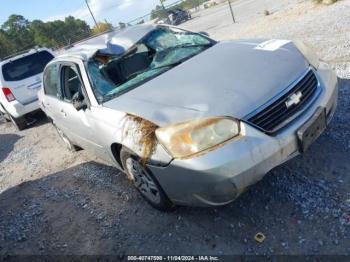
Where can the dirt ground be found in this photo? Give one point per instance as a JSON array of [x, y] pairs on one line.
[[53, 201]]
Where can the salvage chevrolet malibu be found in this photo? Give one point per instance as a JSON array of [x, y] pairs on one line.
[[189, 120]]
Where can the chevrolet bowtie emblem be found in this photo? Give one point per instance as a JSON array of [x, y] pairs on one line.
[[294, 99]]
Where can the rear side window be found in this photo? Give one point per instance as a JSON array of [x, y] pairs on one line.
[[26, 66], [51, 81]]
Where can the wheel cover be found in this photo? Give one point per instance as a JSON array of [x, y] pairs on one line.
[[143, 180]]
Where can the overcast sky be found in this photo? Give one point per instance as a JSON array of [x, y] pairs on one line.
[[113, 11]]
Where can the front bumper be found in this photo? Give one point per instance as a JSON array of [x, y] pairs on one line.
[[220, 176]]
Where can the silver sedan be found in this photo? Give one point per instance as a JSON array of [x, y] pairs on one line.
[[189, 120]]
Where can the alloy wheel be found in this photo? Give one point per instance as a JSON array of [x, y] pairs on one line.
[[143, 180]]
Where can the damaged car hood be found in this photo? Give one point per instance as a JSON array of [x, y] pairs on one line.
[[229, 79]]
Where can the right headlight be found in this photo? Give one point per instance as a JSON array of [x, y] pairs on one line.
[[308, 53], [188, 138]]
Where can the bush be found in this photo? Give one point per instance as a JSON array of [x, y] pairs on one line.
[[267, 12]]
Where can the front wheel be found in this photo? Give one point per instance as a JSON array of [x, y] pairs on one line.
[[144, 181]]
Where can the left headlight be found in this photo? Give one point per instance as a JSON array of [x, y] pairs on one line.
[[188, 138], [308, 53]]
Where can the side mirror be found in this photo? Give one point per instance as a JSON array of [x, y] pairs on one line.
[[204, 33], [79, 101]]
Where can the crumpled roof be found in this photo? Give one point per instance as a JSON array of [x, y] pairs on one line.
[[113, 43]]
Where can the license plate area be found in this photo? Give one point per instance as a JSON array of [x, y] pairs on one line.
[[312, 129]]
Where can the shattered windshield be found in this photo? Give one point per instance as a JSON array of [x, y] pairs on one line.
[[159, 51]]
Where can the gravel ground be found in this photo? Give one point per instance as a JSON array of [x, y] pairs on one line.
[[53, 201]]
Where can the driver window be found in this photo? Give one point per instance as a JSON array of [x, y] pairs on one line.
[[71, 83]]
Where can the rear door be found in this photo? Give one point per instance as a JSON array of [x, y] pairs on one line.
[[23, 75]]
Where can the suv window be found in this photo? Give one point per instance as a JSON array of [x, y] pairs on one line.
[[51, 81], [27, 66], [71, 83]]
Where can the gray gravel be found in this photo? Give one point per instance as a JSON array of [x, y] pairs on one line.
[[56, 202]]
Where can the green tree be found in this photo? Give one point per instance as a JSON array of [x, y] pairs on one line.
[[75, 29], [42, 35], [17, 29], [18, 34], [6, 46]]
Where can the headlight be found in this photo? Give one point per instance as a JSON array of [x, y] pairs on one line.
[[188, 138], [310, 55]]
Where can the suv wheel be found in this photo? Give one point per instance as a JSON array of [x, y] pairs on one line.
[[20, 123], [144, 181]]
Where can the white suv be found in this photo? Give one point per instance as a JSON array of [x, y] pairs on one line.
[[20, 80]]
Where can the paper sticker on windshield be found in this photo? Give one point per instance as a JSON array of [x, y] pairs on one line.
[[271, 45]]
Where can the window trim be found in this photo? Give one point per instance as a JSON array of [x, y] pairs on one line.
[[76, 69], [59, 93]]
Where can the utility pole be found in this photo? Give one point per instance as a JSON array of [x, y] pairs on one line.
[[87, 4], [233, 17]]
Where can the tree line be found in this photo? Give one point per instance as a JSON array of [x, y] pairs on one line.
[[18, 33]]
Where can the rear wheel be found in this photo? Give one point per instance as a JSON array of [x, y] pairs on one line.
[[144, 181], [20, 123]]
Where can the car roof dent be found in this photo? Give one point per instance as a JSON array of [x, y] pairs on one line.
[[116, 43]]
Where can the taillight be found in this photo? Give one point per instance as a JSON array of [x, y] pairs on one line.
[[8, 94]]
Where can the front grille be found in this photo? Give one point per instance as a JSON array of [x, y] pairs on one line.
[[272, 118]]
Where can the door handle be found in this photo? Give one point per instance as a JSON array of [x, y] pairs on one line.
[[63, 113]]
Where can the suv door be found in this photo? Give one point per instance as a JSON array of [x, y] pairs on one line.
[[75, 123]]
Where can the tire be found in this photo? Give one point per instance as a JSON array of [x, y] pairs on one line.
[[20, 123], [70, 146], [144, 181], [5, 117]]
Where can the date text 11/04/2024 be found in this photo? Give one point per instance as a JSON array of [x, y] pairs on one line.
[[173, 258]]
